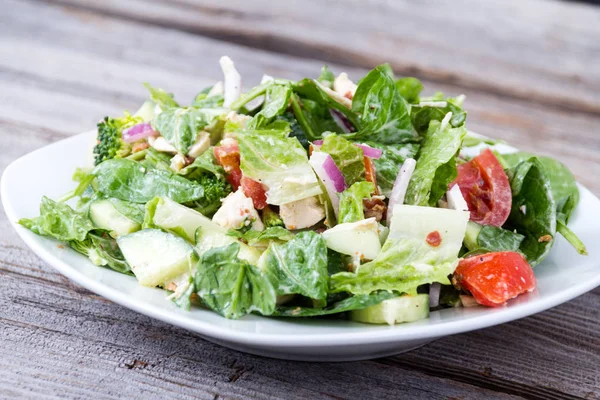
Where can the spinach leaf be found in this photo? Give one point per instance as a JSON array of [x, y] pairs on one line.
[[102, 250], [384, 114], [299, 266], [491, 238], [357, 302], [533, 212], [296, 130], [351, 201], [422, 115], [327, 77], [59, 221], [230, 286], [160, 97], [409, 88], [392, 158], [180, 126], [436, 163], [184, 300], [127, 180], [131, 210], [348, 157]]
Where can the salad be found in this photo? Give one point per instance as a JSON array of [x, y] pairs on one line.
[[316, 197]]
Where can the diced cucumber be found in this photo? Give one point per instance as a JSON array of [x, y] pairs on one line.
[[394, 311], [471, 235], [359, 238], [156, 257], [105, 216], [198, 229]]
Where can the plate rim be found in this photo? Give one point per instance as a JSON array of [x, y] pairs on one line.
[[279, 340]]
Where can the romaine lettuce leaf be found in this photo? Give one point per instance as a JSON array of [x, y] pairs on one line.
[[351, 201], [279, 162], [422, 115], [392, 158], [348, 304], [298, 266], [180, 126], [276, 103], [436, 163], [384, 115], [163, 99], [406, 260], [348, 157], [232, 287]]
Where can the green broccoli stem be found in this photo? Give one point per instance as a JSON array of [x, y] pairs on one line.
[[137, 156], [571, 237]]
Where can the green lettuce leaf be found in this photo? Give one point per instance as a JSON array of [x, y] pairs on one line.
[[299, 266], [281, 163], [348, 157], [406, 260], [253, 237], [327, 77], [276, 102], [422, 115], [409, 88], [351, 201], [533, 212], [388, 165], [59, 221], [232, 287], [348, 304], [384, 115], [180, 126], [436, 164], [160, 97]]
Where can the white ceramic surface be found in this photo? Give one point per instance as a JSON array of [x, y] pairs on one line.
[[561, 277]]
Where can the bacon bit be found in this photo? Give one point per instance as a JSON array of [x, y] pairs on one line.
[[434, 239], [139, 146], [370, 173], [256, 191], [545, 238], [348, 95], [374, 207], [310, 149], [60, 246], [228, 156]]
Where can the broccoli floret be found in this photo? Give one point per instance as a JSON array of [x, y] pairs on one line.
[[215, 189], [110, 144], [271, 218]]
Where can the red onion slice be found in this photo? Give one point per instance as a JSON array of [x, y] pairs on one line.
[[138, 132], [341, 120], [400, 186], [369, 151], [330, 175]]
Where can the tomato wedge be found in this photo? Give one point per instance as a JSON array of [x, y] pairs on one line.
[[494, 278], [228, 156], [485, 187], [255, 191]]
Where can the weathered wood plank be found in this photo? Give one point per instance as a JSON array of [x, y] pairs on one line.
[[533, 50], [61, 340]]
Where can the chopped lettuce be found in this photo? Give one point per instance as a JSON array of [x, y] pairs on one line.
[[351, 201], [392, 158], [280, 163], [348, 157]]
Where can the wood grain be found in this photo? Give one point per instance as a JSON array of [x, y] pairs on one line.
[[63, 68]]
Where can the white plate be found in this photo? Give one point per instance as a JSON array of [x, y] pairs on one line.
[[561, 277]]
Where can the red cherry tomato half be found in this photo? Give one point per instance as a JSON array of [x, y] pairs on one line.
[[228, 156], [485, 187], [255, 191], [494, 278]]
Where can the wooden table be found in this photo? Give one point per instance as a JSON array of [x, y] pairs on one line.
[[531, 73]]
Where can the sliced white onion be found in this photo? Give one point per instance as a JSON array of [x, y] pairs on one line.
[[400, 186], [434, 294], [369, 151], [137, 132], [341, 120], [330, 175], [233, 81]]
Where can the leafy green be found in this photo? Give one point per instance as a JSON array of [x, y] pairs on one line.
[[351, 201], [422, 115], [299, 266], [296, 130], [279, 162], [103, 250], [436, 164], [533, 212], [252, 237], [327, 77], [493, 238], [409, 88], [131, 210], [184, 300], [276, 102], [215, 189], [59, 221], [384, 114], [160, 97], [203, 100], [110, 143], [180, 126], [392, 158], [335, 262], [255, 92], [348, 157], [230, 286], [270, 218], [127, 180], [348, 304]]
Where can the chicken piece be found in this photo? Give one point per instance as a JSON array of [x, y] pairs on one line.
[[302, 213], [201, 145], [238, 211], [160, 144], [344, 86]]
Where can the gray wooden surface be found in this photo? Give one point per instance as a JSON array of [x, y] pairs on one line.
[[531, 73]]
